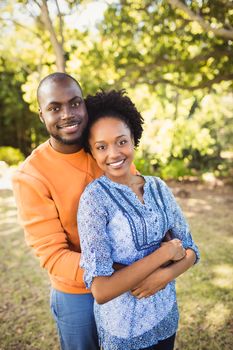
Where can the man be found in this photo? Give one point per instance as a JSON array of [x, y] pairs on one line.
[[47, 188]]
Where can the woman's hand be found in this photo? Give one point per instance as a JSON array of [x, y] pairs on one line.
[[176, 249], [162, 276]]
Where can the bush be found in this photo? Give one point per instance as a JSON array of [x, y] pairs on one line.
[[144, 164], [10, 155], [175, 169]]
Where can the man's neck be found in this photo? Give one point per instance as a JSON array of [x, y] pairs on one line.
[[63, 148]]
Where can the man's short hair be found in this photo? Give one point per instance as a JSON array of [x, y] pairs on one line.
[[55, 77]]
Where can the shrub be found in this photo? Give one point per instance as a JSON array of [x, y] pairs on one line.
[[11, 155]]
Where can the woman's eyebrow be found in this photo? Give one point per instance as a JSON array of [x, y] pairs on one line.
[[118, 137]]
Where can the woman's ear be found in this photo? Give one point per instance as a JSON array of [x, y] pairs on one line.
[[132, 140]]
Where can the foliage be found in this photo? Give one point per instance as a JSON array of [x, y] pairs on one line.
[[194, 142], [10, 155], [178, 72], [19, 127], [176, 169], [151, 43]]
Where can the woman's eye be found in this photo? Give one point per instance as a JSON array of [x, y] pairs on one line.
[[122, 142], [100, 148]]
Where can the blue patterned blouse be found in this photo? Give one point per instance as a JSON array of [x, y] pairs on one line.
[[114, 226]]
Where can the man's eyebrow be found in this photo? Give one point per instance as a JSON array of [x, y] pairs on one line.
[[75, 98], [59, 103], [53, 103]]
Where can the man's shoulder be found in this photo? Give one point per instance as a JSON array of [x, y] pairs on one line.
[[29, 170], [36, 156]]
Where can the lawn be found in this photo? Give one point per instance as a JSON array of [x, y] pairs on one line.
[[205, 292]]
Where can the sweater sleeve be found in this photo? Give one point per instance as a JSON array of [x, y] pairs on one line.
[[43, 228]]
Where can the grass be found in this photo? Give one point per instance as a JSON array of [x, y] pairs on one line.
[[205, 292]]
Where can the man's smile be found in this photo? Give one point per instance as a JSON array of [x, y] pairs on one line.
[[70, 127]]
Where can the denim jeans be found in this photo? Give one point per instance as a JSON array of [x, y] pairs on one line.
[[75, 321]]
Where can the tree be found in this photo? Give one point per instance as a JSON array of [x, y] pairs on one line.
[[223, 30], [38, 14], [155, 43], [19, 127]]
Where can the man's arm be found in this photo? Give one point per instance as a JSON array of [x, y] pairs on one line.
[[163, 275], [43, 229]]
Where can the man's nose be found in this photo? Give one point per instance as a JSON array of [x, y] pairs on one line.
[[66, 112]]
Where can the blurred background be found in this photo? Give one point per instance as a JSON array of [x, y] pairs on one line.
[[175, 59]]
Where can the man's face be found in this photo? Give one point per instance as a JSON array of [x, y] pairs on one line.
[[64, 113]]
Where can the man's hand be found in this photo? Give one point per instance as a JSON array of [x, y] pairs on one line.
[[152, 284]]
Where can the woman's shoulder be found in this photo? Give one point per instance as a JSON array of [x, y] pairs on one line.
[[92, 188], [93, 191], [155, 181]]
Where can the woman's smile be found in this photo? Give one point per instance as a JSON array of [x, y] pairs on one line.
[[116, 164]]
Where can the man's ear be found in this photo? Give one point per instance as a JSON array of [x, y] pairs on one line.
[[91, 152], [41, 116]]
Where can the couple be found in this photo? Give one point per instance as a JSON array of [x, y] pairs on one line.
[[122, 220]]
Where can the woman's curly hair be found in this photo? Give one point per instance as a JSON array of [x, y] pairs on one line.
[[115, 104]]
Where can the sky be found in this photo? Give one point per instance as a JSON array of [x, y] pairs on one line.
[[88, 17]]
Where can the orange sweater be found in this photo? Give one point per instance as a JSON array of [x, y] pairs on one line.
[[47, 188]]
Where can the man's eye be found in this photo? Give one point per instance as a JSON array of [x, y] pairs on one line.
[[75, 104], [54, 109]]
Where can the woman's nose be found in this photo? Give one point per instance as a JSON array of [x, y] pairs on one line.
[[113, 151]]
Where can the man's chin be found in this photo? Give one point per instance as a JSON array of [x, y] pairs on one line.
[[68, 142]]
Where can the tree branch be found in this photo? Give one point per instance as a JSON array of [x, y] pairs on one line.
[[58, 48], [143, 79], [60, 23], [201, 85], [162, 61], [224, 33], [18, 24]]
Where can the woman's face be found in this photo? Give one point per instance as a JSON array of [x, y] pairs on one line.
[[112, 147]]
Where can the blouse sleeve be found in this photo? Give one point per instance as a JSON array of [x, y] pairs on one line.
[[179, 226], [96, 257]]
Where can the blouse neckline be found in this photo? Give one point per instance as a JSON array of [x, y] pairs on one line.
[[129, 190]]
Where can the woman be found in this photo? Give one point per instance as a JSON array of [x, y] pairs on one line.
[[123, 218]]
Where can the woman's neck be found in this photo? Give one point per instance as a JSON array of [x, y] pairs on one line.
[[127, 179], [134, 182]]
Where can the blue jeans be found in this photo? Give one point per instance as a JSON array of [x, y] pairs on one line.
[[75, 321]]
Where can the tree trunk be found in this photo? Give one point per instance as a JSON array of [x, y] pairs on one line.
[[57, 46]]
